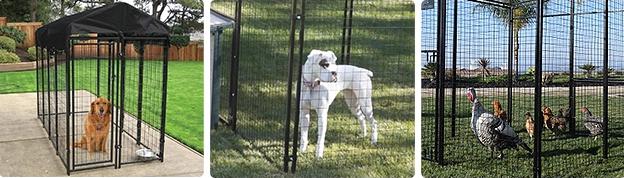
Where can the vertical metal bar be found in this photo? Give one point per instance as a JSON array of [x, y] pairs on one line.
[[605, 84], [163, 117], [441, 40], [344, 31], [298, 94], [73, 100], [350, 28], [68, 105], [116, 96], [98, 69], [234, 67], [537, 159], [140, 92], [122, 86], [216, 84], [510, 66], [571, 83], [291, 62], [49, 105], [111, 97], [454, 76], [37, 78], [56, 113]]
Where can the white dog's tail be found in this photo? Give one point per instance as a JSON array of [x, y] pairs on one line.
[[369, 73]]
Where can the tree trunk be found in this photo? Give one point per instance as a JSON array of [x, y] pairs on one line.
[[516, 47], [33, 10]]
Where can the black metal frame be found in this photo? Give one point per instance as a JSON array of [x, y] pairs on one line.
[[115, 87], [440, 55]]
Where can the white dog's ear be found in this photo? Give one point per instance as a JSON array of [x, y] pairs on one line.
[[332, 58], [314, 54]]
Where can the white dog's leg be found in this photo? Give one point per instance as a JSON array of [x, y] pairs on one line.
[[322, 128], [368, 112], [304, 125], [354, 107]]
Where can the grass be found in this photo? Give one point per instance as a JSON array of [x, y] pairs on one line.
[[257, 149], [562, 155], [184, 94]]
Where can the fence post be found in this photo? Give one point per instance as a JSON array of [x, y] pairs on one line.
[[537, 159], [605, 84], [454, 76], [441, 39], [234, 66], [571, 83], [291, 54], [510, 67]]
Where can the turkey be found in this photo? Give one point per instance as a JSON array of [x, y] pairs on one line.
[[492, 132], [593, 123]]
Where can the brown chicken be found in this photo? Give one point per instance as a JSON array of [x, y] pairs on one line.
[[529, 124], [556, 124], [498, 111]]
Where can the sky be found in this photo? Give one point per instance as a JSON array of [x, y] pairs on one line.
[[480, 35]]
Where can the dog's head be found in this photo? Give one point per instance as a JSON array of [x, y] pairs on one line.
[[320, 65], [101, 107]]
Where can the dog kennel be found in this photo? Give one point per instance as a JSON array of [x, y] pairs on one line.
[[116, 52]]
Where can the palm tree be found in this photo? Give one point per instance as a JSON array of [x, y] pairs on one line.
[[484, 63], [524, 14], [588, 68], [429, 70]]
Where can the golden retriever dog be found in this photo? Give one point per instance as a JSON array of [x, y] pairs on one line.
[[96, 126]]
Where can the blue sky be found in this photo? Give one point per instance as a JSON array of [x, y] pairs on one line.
[[482, 35]]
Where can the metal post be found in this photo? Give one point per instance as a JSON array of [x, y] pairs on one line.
[[37, 78], [537, 159], [56, 111], [344, 31], [571, 83], [140, 92], [49, 105], [97, 87], [441, 39], [291, 56], [350, 27], [510, 66], [298, 94], [68, 106], [72, 101], [163, 117], [234, 66], [605, 84], [216, 85], [454, 77]]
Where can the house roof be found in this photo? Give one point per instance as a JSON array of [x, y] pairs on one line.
[[109, 20]]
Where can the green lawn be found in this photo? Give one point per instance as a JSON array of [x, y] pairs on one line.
[[184, 94], [383, 41], [563, 155]]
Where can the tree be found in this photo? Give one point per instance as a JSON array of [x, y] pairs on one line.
[[429, 70], [527, 14], [589, 69], [183, 15], [483, 64]]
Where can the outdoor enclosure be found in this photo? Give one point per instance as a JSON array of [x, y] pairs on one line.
[[261, 79], [70, 78], [561, 54]]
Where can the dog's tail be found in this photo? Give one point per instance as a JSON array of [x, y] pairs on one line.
[[368, 72]]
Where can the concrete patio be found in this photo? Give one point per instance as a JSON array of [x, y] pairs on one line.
[[26, 151]]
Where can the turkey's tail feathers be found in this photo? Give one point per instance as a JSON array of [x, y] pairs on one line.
[[526, 147]]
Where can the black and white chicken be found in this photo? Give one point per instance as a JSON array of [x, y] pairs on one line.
[[493, 133], [593, 123]]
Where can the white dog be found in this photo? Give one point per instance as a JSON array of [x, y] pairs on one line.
[[322, 81]]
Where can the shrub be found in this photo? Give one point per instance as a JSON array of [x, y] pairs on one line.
[[8, 57], [180, 40], [7, 43], [13, 33], [32, 53]]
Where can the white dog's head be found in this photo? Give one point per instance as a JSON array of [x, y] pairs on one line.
[[320, 65]]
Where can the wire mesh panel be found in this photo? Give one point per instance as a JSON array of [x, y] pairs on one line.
[[377, 37]]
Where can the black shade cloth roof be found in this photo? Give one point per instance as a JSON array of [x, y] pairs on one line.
[[109, 20]]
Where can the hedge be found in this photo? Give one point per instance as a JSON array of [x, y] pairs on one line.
[[8, 57], [7, 43]]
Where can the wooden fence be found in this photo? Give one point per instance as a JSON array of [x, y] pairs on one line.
[[193, 52], [29, 28]]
